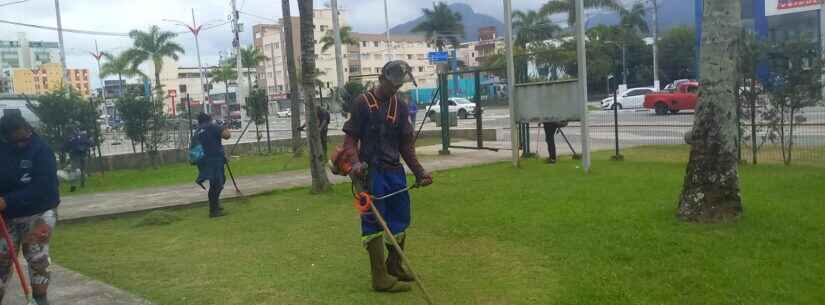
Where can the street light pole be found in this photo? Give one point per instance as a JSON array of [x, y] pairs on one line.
[[339, 59], [60, 40], [195, 29], [511, 75], [656, 83], [387, 23], [98, 55], [582, 73], [236, 43]]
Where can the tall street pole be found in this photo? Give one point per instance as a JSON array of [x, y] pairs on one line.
[[98, 55], [195, 29], [387, 24], [656, 83], [582, 63], [339, 57], [236, 29], [60, 40], [511, 78]]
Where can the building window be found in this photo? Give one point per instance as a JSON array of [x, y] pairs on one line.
[[377, 70], [421, 69], [323, 28], [375, 44], [363, 43], [280, 87], [409, 56]]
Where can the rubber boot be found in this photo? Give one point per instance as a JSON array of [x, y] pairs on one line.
[[395, 266], [381, 280], [215, 209], [41, 299]]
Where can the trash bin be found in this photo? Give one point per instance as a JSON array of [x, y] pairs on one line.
[[453, 119]]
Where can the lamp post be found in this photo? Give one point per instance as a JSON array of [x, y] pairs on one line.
[[195, 29]]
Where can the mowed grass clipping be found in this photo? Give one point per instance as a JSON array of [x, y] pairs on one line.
[[485, 235]]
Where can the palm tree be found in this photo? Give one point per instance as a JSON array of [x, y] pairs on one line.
[[251, 57], [224, 73], [633, 20], [120, 66], [153, 45], [293, 79], [346, 38], [710, 192], [569, 7], [317, 158], [533, 26], [442, 24]]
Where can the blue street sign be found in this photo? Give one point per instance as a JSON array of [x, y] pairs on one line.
[[437, 57]]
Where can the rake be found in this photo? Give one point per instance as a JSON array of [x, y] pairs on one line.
[[13, 255]]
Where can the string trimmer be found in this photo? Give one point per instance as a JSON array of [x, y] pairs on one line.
[[364, 204], [13, 255]]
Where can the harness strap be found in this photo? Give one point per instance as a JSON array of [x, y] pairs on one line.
[[392, 112]]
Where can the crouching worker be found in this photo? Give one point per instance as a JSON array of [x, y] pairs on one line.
[[211, 166], [378, 133], [28, 201]]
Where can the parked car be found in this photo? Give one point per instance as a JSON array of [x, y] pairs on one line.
[[463, 107], [630, 99], [285, 113], [17, 106], [683, 98], [675, 84]]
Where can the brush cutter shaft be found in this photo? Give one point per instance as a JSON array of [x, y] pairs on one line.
[[397, 247], [13, 255], [393, 193]]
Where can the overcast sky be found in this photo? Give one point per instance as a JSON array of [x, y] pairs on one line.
[[120, 16]]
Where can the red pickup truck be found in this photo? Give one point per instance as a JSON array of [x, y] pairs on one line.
[[682, 98]]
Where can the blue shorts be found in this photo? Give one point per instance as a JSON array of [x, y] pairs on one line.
[[395, 209]]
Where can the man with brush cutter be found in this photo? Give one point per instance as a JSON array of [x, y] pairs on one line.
[[378, 134], [28, 201]]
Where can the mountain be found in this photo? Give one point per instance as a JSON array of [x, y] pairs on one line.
[[672, 13], [472, 22]]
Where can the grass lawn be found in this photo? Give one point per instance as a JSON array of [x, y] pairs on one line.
[[173, 174], [485, 235]]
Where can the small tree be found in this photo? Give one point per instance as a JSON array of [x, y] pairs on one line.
[[61, 112], [144, 123], [256, 108], [796, 83], [752, 52]]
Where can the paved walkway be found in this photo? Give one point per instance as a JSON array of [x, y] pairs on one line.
[[118, 203]]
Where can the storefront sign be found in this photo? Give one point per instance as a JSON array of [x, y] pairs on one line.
[[780, 7]]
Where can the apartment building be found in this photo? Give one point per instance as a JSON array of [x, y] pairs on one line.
[[372, 52], [272, 72], [22, 53], [47, 78]]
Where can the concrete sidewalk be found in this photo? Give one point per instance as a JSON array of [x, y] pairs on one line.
[[118, 203]]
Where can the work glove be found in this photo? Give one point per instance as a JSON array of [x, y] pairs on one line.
[[423, 180]]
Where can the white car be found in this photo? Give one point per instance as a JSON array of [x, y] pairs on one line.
[[631, 99], [463, 107], [285, 113]]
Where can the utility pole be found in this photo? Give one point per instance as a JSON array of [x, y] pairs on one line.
[[98, 55], [582, 63], [195, 29], [339, 57], [511, 75], [656, 83], [236, 43], [60, 40], [387, 23]]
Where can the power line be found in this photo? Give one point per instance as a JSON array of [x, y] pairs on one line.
[[98, 33], [256, 16], [11, 3]]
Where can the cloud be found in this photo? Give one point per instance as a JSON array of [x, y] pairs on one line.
[[122, 16]]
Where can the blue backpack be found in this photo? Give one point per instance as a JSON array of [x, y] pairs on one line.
[[196, 152]]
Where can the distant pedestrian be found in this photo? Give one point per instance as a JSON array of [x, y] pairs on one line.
[[211, 167], [550, 129], [77, 146], [28, 200], [323, 126], [413, 109]]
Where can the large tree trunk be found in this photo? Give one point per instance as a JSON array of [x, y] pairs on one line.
[[711, 188], [317, 159], [295, 104]]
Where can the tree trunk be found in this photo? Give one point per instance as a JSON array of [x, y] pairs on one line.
[[711, 187], [295, 105], [320, 181]]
